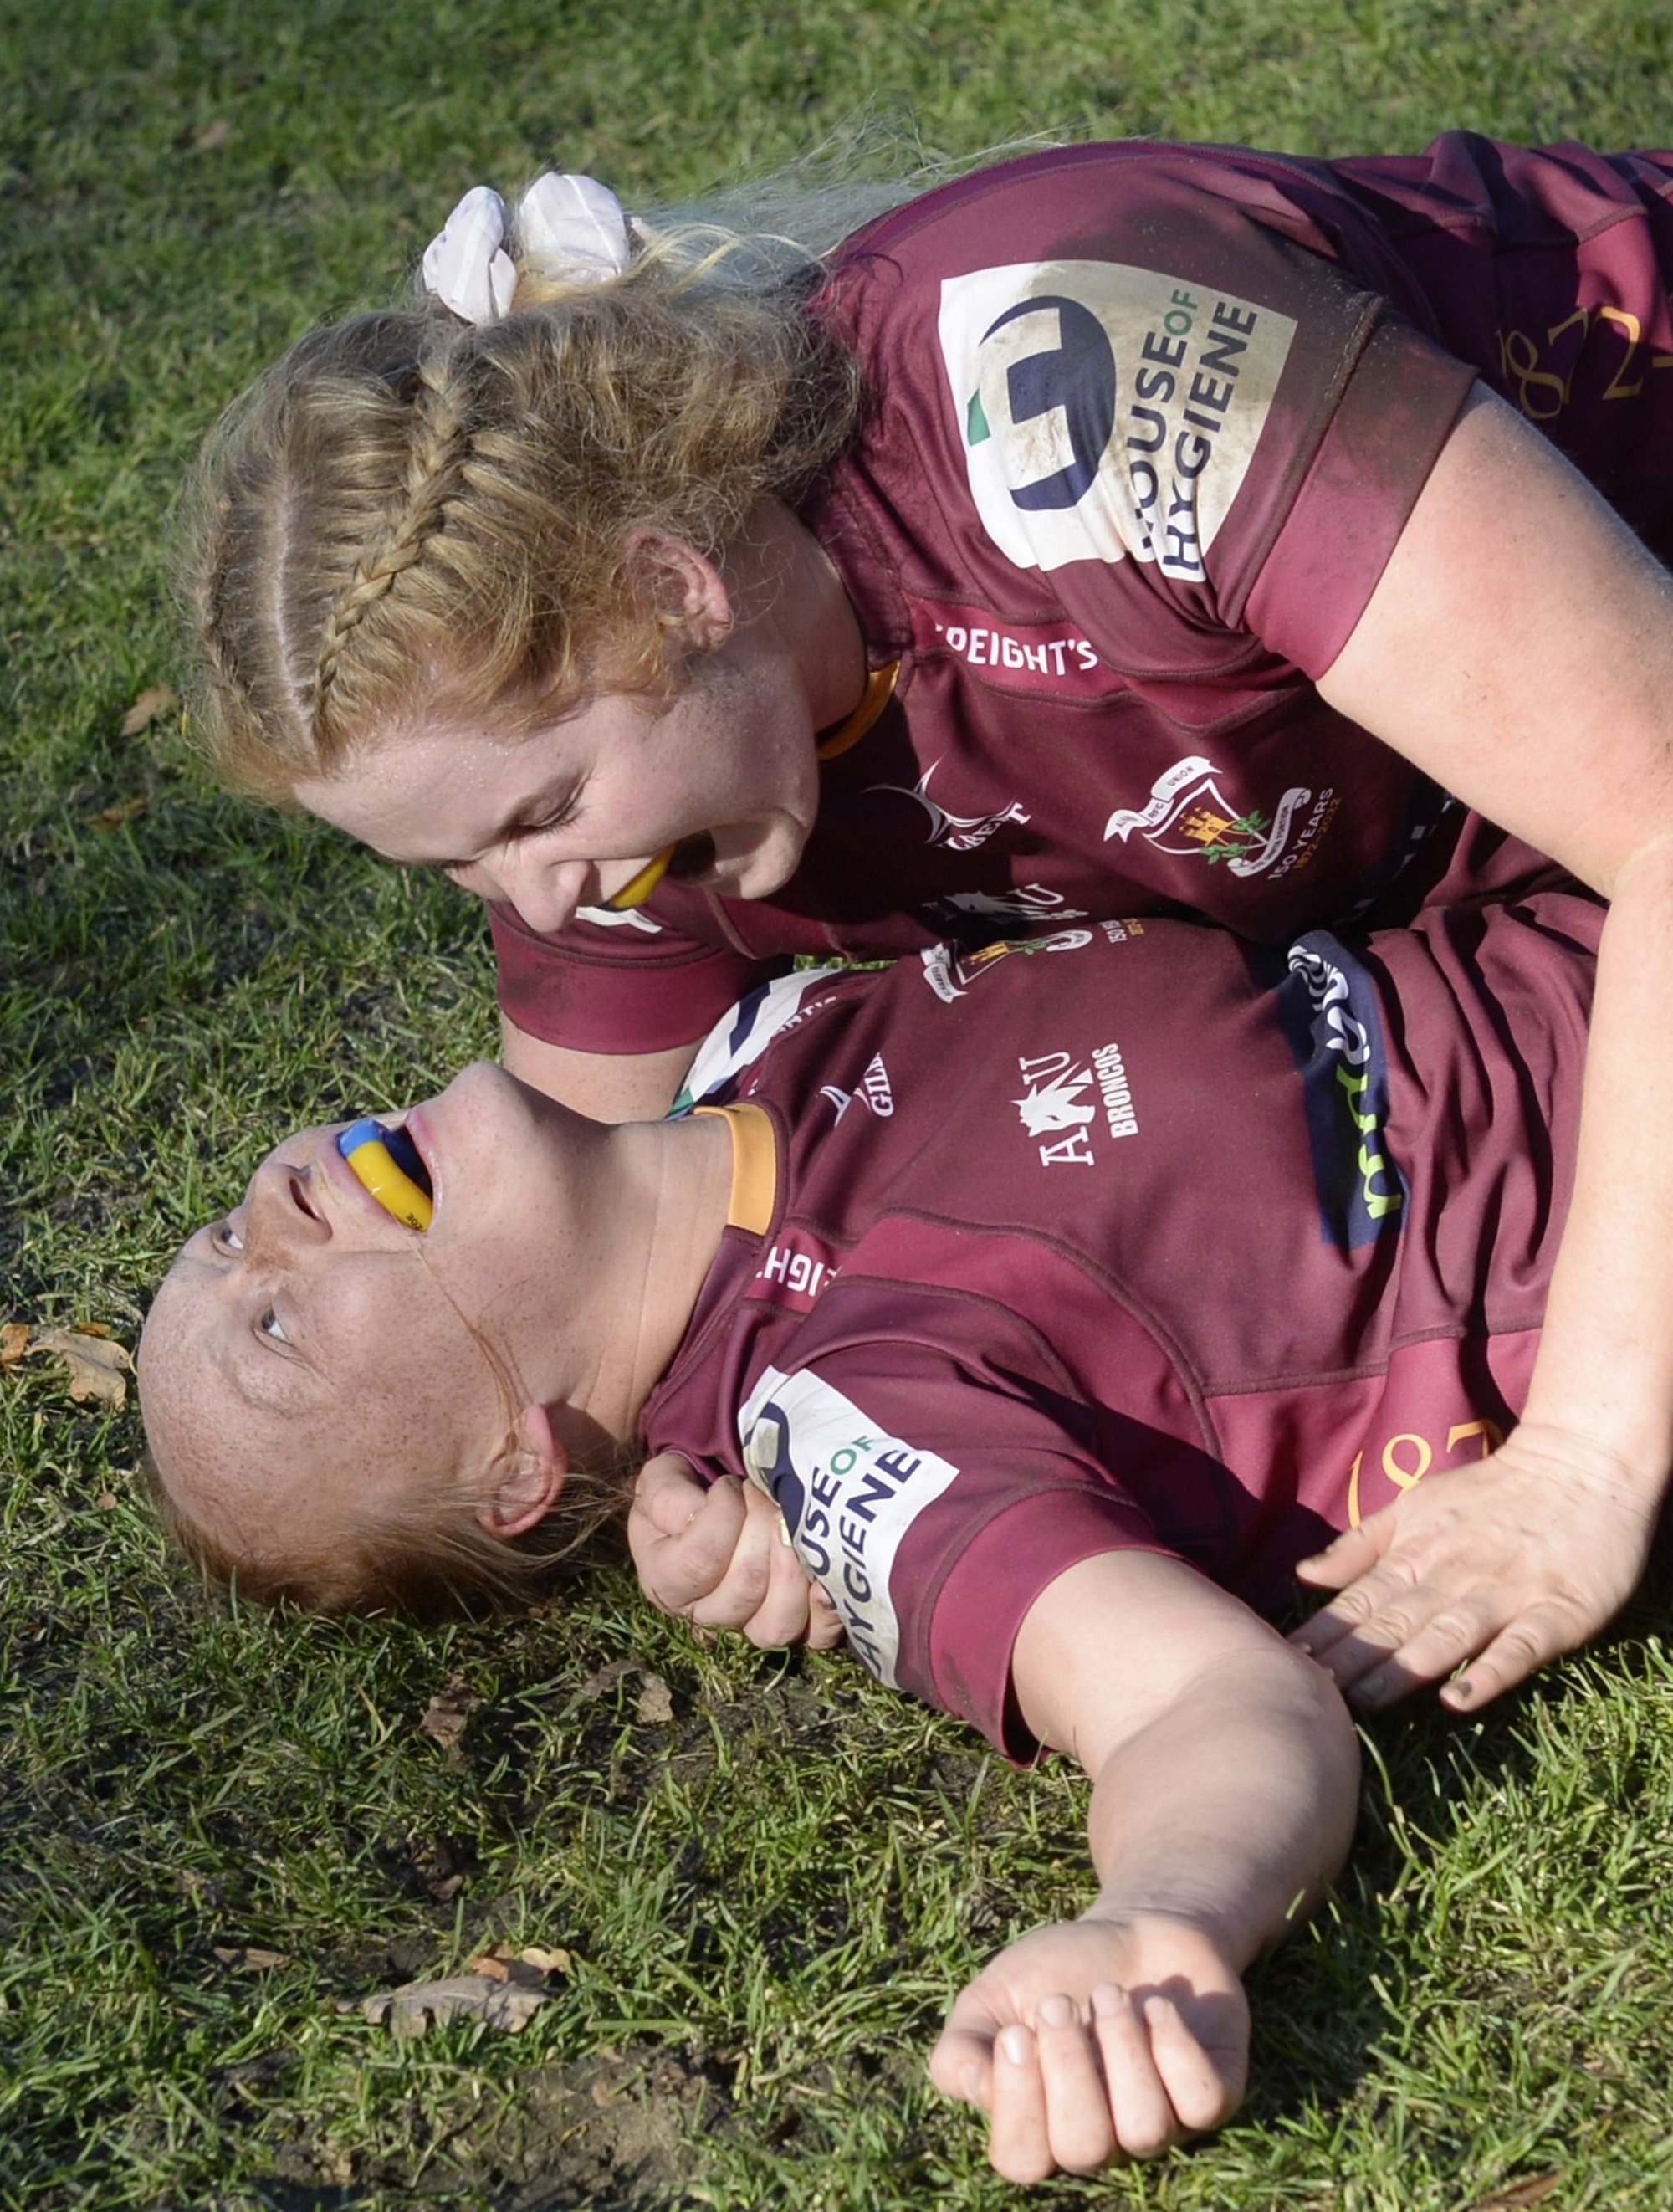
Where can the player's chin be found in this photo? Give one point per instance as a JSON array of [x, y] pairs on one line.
[[479, 1133], [758, 859]]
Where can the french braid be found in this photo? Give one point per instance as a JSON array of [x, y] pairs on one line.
[[440, 439], [409, 517]]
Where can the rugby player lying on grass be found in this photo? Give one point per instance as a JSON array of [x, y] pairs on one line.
[[1063, 1300]]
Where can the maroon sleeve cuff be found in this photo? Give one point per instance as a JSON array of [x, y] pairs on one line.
[[999, 1574], [1398, 410], [621, 1000]]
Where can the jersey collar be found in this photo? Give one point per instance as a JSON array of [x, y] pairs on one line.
[[755, 1166], [879, 690]]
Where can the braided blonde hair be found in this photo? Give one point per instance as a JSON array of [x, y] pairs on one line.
[[409, 515]]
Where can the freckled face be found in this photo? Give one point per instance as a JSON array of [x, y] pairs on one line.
[[726, 770], [310, 1358]]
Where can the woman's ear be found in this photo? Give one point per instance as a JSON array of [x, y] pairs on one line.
[[527, 1479], [688, 590]]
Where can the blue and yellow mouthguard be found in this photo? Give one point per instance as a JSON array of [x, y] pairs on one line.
[[387, 1162], [638, 888]]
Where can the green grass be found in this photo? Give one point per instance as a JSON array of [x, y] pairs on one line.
[[768, 1899]]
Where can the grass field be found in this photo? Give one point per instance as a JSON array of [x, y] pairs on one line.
[[218, 1835]]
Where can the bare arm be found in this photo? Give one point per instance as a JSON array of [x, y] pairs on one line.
[[1226, 1777], [1520, 648], [609, 1086]]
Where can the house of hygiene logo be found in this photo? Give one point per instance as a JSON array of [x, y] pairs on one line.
[[1108, 412], [849, 1492]]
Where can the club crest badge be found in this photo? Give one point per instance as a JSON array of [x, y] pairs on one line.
[[1188, 814]]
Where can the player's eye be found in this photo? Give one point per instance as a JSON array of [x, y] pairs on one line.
[[560, 819], [270, 1325]]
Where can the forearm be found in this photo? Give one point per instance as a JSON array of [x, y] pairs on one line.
[[1226, 1775], [1233, 1808], [1604, 1378]]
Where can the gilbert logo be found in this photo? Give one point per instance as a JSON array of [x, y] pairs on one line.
[[874, 1090]]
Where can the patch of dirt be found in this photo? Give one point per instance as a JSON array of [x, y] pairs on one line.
[[609, 2132], [612, 2133]]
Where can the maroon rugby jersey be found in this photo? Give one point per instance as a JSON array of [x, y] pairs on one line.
[[1133, 1236], [1145, 423]]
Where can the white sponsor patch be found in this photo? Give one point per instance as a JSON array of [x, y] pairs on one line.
[[1106, 410], [849, 1493]]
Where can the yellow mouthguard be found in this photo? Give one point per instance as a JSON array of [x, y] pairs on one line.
[[638, 888], [393, 1188]]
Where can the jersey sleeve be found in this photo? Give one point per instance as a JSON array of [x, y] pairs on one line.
[[631, 985], [935, 1511], [1156, 385]]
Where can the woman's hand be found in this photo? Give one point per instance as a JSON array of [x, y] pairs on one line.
[[1499, 1567], [1095, 2040], [720, 1557]]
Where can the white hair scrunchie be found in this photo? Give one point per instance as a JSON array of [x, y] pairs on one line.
[[571, 227], [466, 264]]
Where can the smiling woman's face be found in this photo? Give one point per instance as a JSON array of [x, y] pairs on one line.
[[725, 773], [311, 1362]]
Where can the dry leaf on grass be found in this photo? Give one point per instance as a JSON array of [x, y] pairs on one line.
[[250, 1959], [98, 1366], [112, 818], [550, 1960], [213, 137], [448, 1711], [1518, 2194], [530, 1968], [655, 1702], [150, 707], [417, 2007]]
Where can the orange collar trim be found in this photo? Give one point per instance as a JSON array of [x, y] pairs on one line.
[[879, 690], [755, 1166]]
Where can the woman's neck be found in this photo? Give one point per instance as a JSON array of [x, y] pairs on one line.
[[781, 568], [654, 1210]]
